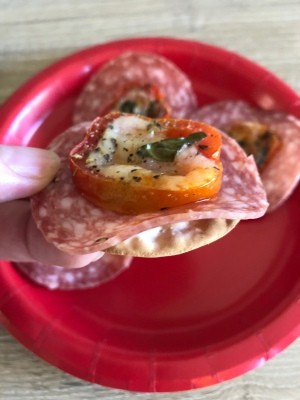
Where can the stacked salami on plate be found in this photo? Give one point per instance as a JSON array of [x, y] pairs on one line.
[[145, 94]]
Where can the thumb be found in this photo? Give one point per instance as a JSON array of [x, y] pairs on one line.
[[25, 170]]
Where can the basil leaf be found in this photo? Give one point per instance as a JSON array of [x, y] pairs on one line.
[[195, 137], [166, 149], [127, 106]]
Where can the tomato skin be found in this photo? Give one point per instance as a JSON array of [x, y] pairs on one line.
[[176, 128], [147, 194], [128, 198]]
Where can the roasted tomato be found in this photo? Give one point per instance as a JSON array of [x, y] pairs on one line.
[[134, 98], [133, 164], [256, 139]]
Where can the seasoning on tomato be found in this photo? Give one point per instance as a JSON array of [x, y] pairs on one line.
[[133, 164], [256, 139], [141, 99]]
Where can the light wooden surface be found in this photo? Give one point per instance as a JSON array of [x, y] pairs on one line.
[[34, 33]]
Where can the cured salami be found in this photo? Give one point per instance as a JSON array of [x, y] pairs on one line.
[[76, 226], [135, 76], [56, 277], [281, 173]]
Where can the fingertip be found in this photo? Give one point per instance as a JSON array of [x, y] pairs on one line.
[[25, 170]]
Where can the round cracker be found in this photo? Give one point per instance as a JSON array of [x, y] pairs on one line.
[[173, 239]]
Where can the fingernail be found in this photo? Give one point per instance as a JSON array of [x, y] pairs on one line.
[[29, 162], [98, 255], [87, 259]]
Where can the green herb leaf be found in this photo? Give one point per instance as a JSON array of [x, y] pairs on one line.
[[128, 106], [166, 149]]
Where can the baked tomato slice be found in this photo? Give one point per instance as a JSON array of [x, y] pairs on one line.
[[146, 100], [133, 164]]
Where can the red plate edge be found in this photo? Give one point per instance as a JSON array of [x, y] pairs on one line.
[[231, 361], [280, 332]]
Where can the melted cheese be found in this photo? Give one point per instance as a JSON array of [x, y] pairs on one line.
[[116, 155]]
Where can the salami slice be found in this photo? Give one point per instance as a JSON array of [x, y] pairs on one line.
[[282, 172], [76, 226], [108, 84], [94, 274]]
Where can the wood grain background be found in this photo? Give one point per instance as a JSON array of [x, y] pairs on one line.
[[35, 33]]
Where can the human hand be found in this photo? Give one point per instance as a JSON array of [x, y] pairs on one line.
[[24, 171]]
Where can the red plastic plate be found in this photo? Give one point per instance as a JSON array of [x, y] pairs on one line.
[[172, 323]]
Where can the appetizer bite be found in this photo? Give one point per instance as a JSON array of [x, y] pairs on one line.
[[132, 164], [138, 83], [76, 224], [273, 138]]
